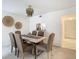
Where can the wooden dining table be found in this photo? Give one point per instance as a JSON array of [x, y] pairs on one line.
[[33, 39]]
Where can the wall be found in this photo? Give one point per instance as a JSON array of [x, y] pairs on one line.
[[5, 30], [52, 20]]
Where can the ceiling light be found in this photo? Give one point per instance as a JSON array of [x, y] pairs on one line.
[[29, 11]]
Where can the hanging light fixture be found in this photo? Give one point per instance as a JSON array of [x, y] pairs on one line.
[[29, 11]]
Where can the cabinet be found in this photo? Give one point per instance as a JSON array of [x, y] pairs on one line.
[[68, 31]]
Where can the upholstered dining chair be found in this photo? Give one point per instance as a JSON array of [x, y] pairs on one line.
[[13, 42], [40, 33], [34, 33], [47, 47], [21, 47], [19, 32]]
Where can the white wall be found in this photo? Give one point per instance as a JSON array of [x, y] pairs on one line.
[[6, 30], [52, 20]]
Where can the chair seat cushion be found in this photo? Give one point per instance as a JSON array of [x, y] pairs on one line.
[[26, 46], [42, 46]]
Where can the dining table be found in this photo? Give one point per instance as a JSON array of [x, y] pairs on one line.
[[33, 39]]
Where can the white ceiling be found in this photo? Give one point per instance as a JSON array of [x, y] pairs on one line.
[[39, 6]]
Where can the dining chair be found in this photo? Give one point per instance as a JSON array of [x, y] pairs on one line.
[[13, 42], [34, 33], [21, 47], [47, 47], [19, 32], [40, 33]]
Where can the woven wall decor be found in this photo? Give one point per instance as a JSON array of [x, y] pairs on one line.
[[18, 25], [8, 21]]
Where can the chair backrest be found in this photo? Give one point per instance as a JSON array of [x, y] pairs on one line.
[[34, 33], [12, 38], [40, 33], [19, 32], [19, 43], [50, 42]]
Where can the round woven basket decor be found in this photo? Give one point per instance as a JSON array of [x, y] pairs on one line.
[[8, 21], [18, 25]]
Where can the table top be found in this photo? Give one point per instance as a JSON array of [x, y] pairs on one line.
[[32, 38]]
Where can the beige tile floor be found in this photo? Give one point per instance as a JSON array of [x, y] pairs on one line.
[[58, 53]]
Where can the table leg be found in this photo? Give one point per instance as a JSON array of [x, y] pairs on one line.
[[35, 50]]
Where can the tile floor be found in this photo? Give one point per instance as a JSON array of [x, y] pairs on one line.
[[58, 53]]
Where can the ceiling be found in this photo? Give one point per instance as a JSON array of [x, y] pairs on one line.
[[39, 6]]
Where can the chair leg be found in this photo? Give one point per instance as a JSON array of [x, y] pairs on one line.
[[15, 51], [11, 48], [22, 56], [51, 54], [47, 55]]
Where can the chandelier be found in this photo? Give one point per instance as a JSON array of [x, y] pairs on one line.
[[29, 11]]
